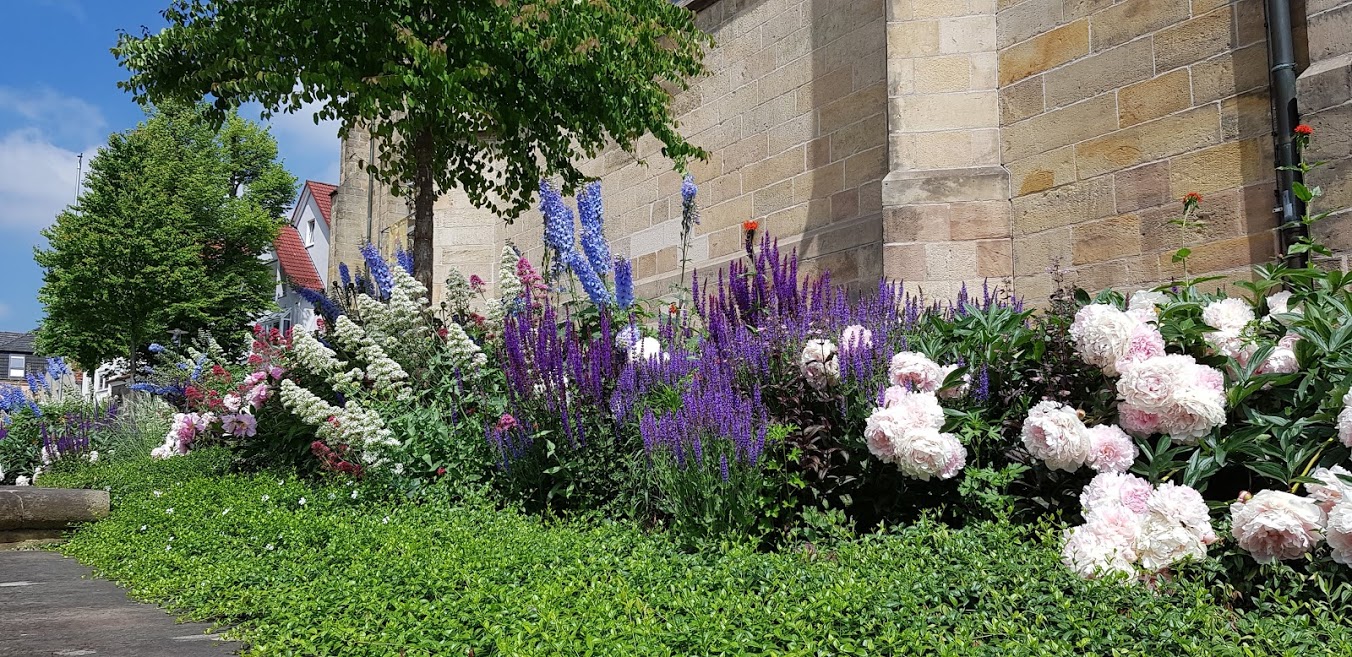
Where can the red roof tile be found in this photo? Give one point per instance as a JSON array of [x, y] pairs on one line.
[[295, 260], [323, 193]]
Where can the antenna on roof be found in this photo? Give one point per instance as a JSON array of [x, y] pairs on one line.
[[79, 175]]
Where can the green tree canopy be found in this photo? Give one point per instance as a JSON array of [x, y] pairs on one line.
[[485, 95], [166, 235]]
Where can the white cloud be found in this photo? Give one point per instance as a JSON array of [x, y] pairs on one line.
[[37, 179], [65, 118], [308, 150]]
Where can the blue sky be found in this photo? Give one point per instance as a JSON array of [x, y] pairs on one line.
[[59, 98]]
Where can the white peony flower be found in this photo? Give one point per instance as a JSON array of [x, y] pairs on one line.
[[1053, 433], [1094, 550], [924, 452], [1102, 334], [1147, 301], [957, 391], [23, 481], [1163, 542], [819, 364], [1345, 420], [1334, 490], [1338, 531], [645, 350], [1112, 490], [1280, 310], [1228, 314], [1276, 525], [1183, 504], [1282, 360]]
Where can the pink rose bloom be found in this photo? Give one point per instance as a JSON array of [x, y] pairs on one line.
[[1094, 550], [1145, 343], [240, 425], [1110, 449], [1334, 490], [1276, 525], [924, 452], [253, 379], [276, 373], [1184, 505], [915, 370], [232, 402], [916, 409], [1137, 422], [1339, 532], [1053, 433], [855, 336], [1109, 490]]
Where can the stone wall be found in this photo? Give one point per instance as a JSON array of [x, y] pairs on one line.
[[1325, 93], [1110, 112]]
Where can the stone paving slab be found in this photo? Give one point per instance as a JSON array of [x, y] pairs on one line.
[[52, 605]]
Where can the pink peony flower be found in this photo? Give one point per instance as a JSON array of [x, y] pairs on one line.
[[1345, 420], [1228, 314], [1334, 490], [1137, 422], [1282, 360], [1339, 532], [915, 370], [1149, 385], [917, 409], [1275, 525], [1110, 449], [1280, 310], [276, 373], [257, 395], [253, 380], [1053, 433], [1102, 334], [232, 402], [819, 364], [1145, 343], [955, 391], [882, 426], [1110, 490], [240, 425], [855, 336]]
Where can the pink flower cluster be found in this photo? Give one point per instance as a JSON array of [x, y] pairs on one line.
[[915, 371], [1171, 394], [819, 364], [906, 432], [1232, 338], [1128, 524], [1054, 434], [252, 393], [1345, 420], [1111, 339]]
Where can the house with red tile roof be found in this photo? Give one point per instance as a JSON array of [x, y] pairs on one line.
[[300, 257]]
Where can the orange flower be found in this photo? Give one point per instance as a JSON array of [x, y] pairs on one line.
[[750, 225], [1193, 198], [1303, 130], [673, 309]]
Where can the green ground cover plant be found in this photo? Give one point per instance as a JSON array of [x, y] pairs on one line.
[[296, 566]]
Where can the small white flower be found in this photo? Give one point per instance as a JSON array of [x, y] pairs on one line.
[[143, 527], [227, 510], [94, 456], [169, 511], [266, 498], [268, 547], [332, 496], [157, 493], [166, 548], [386, 521], [354, 493], [23, 481], [302, 501]]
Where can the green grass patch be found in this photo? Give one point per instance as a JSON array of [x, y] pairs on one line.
[[370, 576]]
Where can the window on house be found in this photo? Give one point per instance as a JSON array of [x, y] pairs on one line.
[[16, 366], [310, 232], [281, 288]]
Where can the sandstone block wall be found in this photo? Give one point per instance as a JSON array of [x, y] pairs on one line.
[[1110, 112], [1325, 91]]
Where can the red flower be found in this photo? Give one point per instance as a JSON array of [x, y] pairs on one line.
[[1303, 130], [1193, 198], [673, 309], [750, 225], [442, 333], [441, 472]]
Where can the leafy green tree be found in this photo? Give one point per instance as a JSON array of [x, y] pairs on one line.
[[166, 235], [485, 95]]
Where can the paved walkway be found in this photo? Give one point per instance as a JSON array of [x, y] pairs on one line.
[[52, 605]]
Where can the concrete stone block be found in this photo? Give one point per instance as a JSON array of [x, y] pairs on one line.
[[913, 39], [1035, 254], [1229, 74], [1060, 127], [1230, 165], [901, 188], [865, 167], [948, 73], [1044, 52], [917, 223], [821, 182], [1106, 239], [980, 220], [1042, 171], [972, 109], [1025, 20], [1021, 100], [1247, 115], [1171, 135], [1154, 98], [967, 34], [995, 258], [1103, 71], [1193, 40], [1130, 19], [1145, 186], [1081, 201]]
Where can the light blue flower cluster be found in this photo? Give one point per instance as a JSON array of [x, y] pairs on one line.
[[558, 221], [591, 283]]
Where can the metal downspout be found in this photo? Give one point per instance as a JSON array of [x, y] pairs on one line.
[[1285, 117]]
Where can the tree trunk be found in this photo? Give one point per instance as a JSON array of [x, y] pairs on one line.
[[425, 196]]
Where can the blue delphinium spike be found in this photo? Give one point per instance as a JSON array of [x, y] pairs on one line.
[[344, 274], [380, 270], [405, 260], [624, 283], [591, 283], [589, 214]]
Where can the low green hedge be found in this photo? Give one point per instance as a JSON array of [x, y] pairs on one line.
[[340, 575]]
